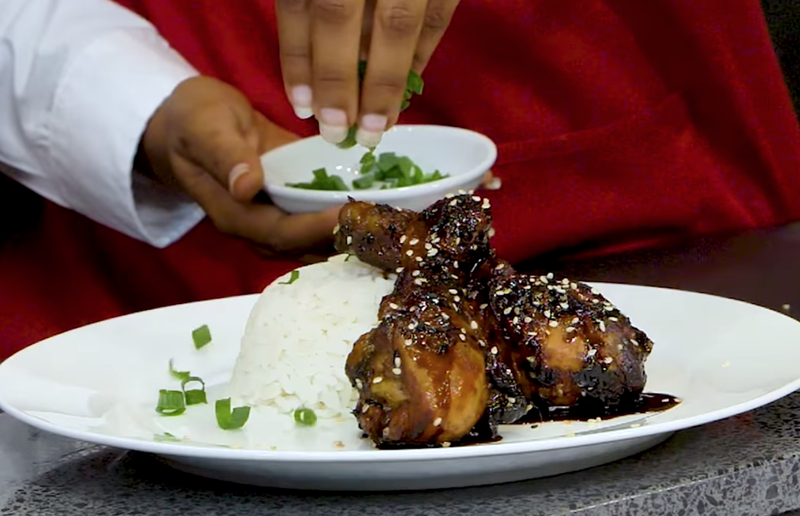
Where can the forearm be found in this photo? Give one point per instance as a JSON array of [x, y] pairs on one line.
[[79, 81]]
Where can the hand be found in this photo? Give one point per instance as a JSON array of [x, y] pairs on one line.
[[321, 42], [206, 139]]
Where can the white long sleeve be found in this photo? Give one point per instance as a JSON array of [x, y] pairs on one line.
[[79, 80]]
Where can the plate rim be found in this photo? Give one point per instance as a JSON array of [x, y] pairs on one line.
[[212, 452]]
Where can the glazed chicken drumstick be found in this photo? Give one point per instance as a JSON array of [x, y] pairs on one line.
[[466, 343]]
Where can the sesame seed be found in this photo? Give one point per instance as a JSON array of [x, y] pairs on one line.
[[359, 384], [399, 270], [458, 240], [592, 352], [418, 281], [499, 266], [377, 379], [349, 240], [595, 291], [397, 371], [408, 342], [493, 350], [453, 202], [634, 342], [570, 329], [445, 444], [507, 311], [415, 273], [364, 409], [445, 316], [428, 246], [393, 306], [403, 239], [418, 258], [574, 320], [486, 204], [515, 320], [553, 324], [397, 361], [409, 253], [473, 325], [336, 229], [464, 330], [481, 343], [462, 336], [595, 301], [491, 232], [602, 326], [414, 241], [547, 313], [528, 320], [608, 360], [437, 421], [455, 264], [573, 286], [549, 275], [435, 240], [412, 326], [613, 319], [543, 279], [453, 291], [483, 306], [564, 305]]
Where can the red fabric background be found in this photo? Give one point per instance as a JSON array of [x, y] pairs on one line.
[[620, 123]]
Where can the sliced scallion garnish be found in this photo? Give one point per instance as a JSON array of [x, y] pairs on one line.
[[305, 417], [178, 375], [294, 276], [194, 396], [228, 419], [170, 403], [201, 336]]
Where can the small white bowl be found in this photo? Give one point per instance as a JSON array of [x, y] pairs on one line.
[[465, 156]]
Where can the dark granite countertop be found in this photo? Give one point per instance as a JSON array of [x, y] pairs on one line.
[[746, 465]]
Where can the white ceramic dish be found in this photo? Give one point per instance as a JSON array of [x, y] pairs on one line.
[[464, 155], [100, 384]]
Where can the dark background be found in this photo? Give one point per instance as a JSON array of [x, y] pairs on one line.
[[783, 18]]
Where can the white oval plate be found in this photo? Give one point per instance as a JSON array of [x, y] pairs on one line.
[[100, 384]]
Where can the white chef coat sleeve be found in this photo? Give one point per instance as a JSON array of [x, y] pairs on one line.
[[79, 80]]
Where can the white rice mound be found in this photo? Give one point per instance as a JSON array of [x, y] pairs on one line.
[[297, 339]]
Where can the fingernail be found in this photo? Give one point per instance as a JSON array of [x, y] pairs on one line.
[[302, 101], [371, 130], [332, 125], [237, 172]]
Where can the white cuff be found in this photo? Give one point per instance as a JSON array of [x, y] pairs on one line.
[[102, 105]]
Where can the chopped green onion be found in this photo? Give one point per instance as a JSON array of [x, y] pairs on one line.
[[305, 417], [178, 375], [294, 276], [364, 182], [230, 420], [170, 403], [165, 437], [201, 336], [194, 396]]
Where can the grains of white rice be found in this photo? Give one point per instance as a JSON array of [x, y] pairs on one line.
[[298, 337]]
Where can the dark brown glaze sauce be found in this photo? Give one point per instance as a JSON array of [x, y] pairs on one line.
[[647, 402]]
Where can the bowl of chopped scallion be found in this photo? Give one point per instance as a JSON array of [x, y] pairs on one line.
[[413, 166]]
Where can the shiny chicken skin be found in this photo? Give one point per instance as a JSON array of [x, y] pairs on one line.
[[454, 231], [569, 347], [421, 373]]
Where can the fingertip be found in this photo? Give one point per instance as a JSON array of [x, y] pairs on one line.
[[245, 181]]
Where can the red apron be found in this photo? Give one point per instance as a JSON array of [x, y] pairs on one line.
[[619, 124]]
